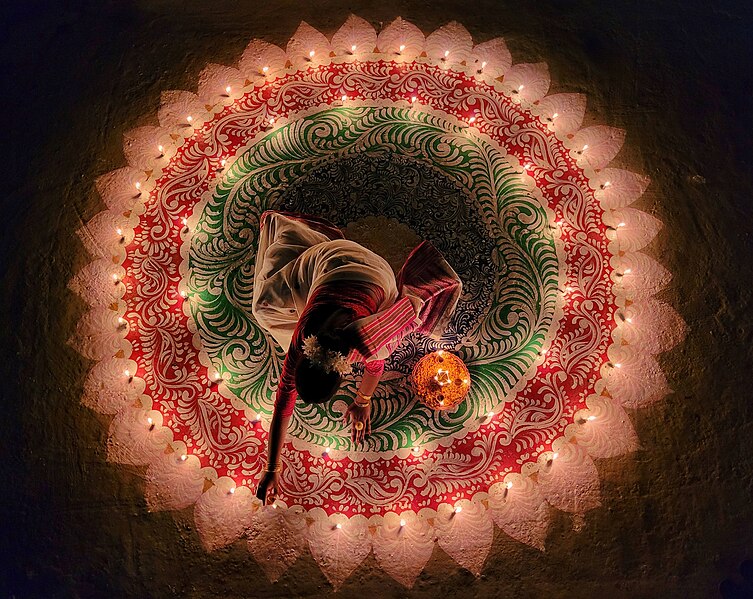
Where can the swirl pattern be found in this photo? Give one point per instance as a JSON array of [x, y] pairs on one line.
[[498, 243]]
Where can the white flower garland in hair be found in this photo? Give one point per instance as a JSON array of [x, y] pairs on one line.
[[328, 360]]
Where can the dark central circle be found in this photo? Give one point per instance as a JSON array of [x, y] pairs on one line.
[[427, 201]]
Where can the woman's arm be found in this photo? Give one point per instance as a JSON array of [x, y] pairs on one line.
[[267, 489]]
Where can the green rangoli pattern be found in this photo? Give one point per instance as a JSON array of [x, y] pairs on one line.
[[500, 347]]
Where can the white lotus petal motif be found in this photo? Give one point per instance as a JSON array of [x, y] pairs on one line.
[[276, 539], [338, 551], [94, 283], [100, 235], [605, 429], [98, 334], [646, 277], [597, 145], [132, 442], [180, 108], [527, 82], [570, 482], [107, 389], [491, 58], [260, 55], [520, 510], [223, 513], [615, 187], [401, 34], [118, 188], [214, 81], [563, 112], [403, 548], [651, 326], [141, 150], [638, 381], [450, 43], [173, 483], [307, 46], [633, 229], [465, 536], [355, 32]]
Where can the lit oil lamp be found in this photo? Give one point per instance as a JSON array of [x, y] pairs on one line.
[[441, 380]]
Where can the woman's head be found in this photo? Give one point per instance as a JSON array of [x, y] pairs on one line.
[[312, 382]]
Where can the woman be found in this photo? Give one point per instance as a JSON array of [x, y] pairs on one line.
[[332, 303]]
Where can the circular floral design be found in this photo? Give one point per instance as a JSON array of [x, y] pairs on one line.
[[515, 282], [559, 339]]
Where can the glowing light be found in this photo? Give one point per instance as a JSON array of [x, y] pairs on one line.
[[127, 373], [338, 526], [402, 47], [264, 69], [274, 506], [508, 484], [150, 421], [327, 449], [137, 185], [231, 490], [160, 149], [413, 99], [402, 523], [353, 48], [472, 120], [621, 224], [184, 220], [115, 278], [119, 231], [483, 64], [271, 120], [416, 449], [591, 418], [585, 147], [628, 320], [183, 458], [618, 365], [627, 271], [446, 53], [258, 417], [555, 115], [189, 118], [183, 293], [555, 455], [458, 509], [490, 415], [227, 89], [217, 376], [606, 184], [311, 54], [344, 97], [520, 88], [568, 289], [121, 320]]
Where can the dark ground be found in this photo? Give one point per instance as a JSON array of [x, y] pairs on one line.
[[677, 516]]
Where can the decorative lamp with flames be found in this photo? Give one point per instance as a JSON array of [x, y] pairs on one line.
[[441, 380]]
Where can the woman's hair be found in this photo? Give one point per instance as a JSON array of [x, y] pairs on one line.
[[312, 383]]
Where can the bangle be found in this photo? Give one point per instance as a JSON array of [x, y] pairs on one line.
[[273, 469], [366, 398]]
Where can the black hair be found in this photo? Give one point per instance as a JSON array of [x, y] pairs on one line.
[[312, 383]]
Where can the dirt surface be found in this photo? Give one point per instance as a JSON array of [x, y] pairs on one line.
[[677, 516]]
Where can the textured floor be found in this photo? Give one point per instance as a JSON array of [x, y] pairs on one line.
[[677, 516]]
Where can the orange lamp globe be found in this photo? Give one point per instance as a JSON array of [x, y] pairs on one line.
[[441, 380]]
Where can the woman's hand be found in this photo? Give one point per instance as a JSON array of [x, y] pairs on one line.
[[359, 414], [267, 489]]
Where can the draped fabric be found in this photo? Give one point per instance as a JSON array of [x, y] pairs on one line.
[[304, 263]]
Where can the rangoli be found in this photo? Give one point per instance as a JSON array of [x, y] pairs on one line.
[[557, 324]]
